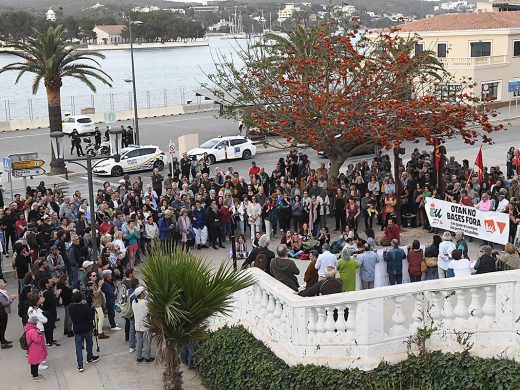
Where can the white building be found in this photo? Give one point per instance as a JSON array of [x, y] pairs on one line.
[[50, 15], [221, 23], [146, 9], [109, 34], [181, 11], [286, 13]]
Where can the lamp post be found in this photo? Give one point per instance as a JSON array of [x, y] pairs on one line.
[[115, 141], [136, 119]]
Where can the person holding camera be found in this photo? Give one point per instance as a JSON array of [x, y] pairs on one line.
[[82, 318], [96, 301]]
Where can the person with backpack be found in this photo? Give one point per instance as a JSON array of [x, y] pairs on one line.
[[82, 318], [127, 288], [35, 346], [263, 249]]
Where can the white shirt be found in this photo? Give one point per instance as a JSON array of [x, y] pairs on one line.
[[502, 206], [140, 309], [38, 313], [325, 260], [151, 231], [461, 267]]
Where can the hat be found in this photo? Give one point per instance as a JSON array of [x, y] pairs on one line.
[[138, 291], [87, 263]]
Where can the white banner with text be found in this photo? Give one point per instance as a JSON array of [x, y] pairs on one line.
[[485, 225]]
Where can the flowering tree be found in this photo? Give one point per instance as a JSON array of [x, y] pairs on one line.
[[342, 91]]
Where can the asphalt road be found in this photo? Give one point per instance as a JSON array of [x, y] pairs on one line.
[[158, 131]]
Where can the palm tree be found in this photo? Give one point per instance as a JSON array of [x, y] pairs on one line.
[[50, 58], [183, 292]]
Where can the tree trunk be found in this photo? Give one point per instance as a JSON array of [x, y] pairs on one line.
[[55, 124], [335, 164], [172, 376]]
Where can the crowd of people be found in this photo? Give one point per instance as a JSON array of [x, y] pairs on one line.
[[307, 212]]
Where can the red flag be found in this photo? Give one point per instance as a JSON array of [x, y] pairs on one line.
[[479, 163], [436, 154]]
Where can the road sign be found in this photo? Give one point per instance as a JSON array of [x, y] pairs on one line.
[[7, 164], [513, 86], [110, 117], [27, 164], [28, 172]]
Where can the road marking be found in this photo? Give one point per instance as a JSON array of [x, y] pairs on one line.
[[177, 120], [99, 181]]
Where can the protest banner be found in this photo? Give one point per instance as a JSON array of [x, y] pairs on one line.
[[485, 225]]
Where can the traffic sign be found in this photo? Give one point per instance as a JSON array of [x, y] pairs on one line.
[[513, 86], [28, 172], [27, 164], [110, 117], [7, 164]]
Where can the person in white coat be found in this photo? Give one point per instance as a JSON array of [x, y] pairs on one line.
[[142, 335], [254, 213]]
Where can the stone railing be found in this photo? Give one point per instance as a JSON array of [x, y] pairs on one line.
[[362, 328], [473, 61]]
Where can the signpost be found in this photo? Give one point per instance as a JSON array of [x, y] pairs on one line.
[[28, 172], [27, 164], [7, 169], [513, 87]]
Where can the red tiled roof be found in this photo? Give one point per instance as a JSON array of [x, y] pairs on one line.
[[112, 29], [467, 21]]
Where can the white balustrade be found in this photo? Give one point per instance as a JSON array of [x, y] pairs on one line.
[[379, 321]]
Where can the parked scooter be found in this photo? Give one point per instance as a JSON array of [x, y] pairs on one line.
[[94, 150]]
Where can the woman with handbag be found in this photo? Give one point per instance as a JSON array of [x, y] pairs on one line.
[[431, 255]]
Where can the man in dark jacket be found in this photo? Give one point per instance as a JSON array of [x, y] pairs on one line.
[[262, 248], [157, 180], [284, 269], [329, 285], [82, 317], [394, 263], [485, 263], [109, 289]]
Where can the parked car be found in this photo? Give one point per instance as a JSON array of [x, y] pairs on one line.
[[225, 148], [133, 158], [82, 123]]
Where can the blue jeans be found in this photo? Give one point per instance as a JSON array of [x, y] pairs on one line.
[[78, 338], [395, 279], [131, 333], [74, 278], [143, 344], [431, 274], [187, 354]]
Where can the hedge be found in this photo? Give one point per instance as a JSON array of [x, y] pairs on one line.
[[232, 359]]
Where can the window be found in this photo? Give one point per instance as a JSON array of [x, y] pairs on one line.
[[84, 120], [238, 141], [516, 48], [442, 50], [146, 151], [419, 47], [132, 153], [490, 90], [449, 92], [480, 49]]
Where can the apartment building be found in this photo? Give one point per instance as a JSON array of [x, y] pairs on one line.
[[484, 46]]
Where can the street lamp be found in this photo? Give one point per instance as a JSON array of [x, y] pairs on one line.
[[115, 141], [136, 119]]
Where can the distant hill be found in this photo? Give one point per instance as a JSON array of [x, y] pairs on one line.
[[74, 6]]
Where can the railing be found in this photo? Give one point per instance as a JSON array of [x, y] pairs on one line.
[[473, 61], [362, 328]]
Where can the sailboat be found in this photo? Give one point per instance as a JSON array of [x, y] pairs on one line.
[[237, 27]]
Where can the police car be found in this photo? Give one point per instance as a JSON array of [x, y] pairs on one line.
[[225, 148], [133, 158]]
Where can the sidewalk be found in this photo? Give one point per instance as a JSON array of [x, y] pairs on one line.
[[117, 368]]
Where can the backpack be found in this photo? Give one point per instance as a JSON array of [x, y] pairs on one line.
[[125, 304], [261, 261], [23, 342]]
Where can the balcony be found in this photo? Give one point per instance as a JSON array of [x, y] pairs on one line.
[[474, 62], [374, 325]]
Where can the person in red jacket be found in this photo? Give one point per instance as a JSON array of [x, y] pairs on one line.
[[392, 232], [254, 170], [415, 257], [37, 352], [226, 220]]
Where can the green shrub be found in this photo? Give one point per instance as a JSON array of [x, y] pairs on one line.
[[232, 359]]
